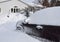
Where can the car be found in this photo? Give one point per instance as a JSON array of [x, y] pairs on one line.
[[45, 23]]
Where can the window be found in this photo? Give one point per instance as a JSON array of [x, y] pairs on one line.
[[15, 9], [11, 9]]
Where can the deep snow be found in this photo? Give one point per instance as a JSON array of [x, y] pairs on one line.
[[8, 31], [10, 35]]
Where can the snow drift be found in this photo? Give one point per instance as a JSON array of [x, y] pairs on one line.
[[8, 27]]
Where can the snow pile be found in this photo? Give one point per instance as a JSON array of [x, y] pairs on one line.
[[12, 18], [7, 29], [10, 22], [48, 16], [7, 35]]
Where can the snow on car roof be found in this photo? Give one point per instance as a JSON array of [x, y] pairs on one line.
[[48, 16]]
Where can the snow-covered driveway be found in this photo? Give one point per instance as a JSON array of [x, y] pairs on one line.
[[8, 33]]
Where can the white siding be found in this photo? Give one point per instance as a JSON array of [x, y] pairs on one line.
[[5, 7]]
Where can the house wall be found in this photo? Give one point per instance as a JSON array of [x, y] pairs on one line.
[[6, 6]]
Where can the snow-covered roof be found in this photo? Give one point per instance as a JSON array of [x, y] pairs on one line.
[[28, 1], [31, 3], [3, 1]]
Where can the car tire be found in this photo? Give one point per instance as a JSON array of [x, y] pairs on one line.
[[19, 26]]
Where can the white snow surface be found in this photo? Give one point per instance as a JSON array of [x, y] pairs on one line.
[[47, 16], [12, 17], [8, 32]]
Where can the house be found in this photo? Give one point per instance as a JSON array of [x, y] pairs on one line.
[[11, 6]]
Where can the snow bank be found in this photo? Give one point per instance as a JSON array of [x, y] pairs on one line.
[[10, 22], [48, 16], [8, 27], [12, 18], [8, 35]]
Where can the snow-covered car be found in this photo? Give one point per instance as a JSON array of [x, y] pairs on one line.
[[45, 21]]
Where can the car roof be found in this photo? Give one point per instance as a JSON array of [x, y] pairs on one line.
[[48, 16]]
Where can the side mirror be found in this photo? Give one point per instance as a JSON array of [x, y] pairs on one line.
[[39, 27]]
